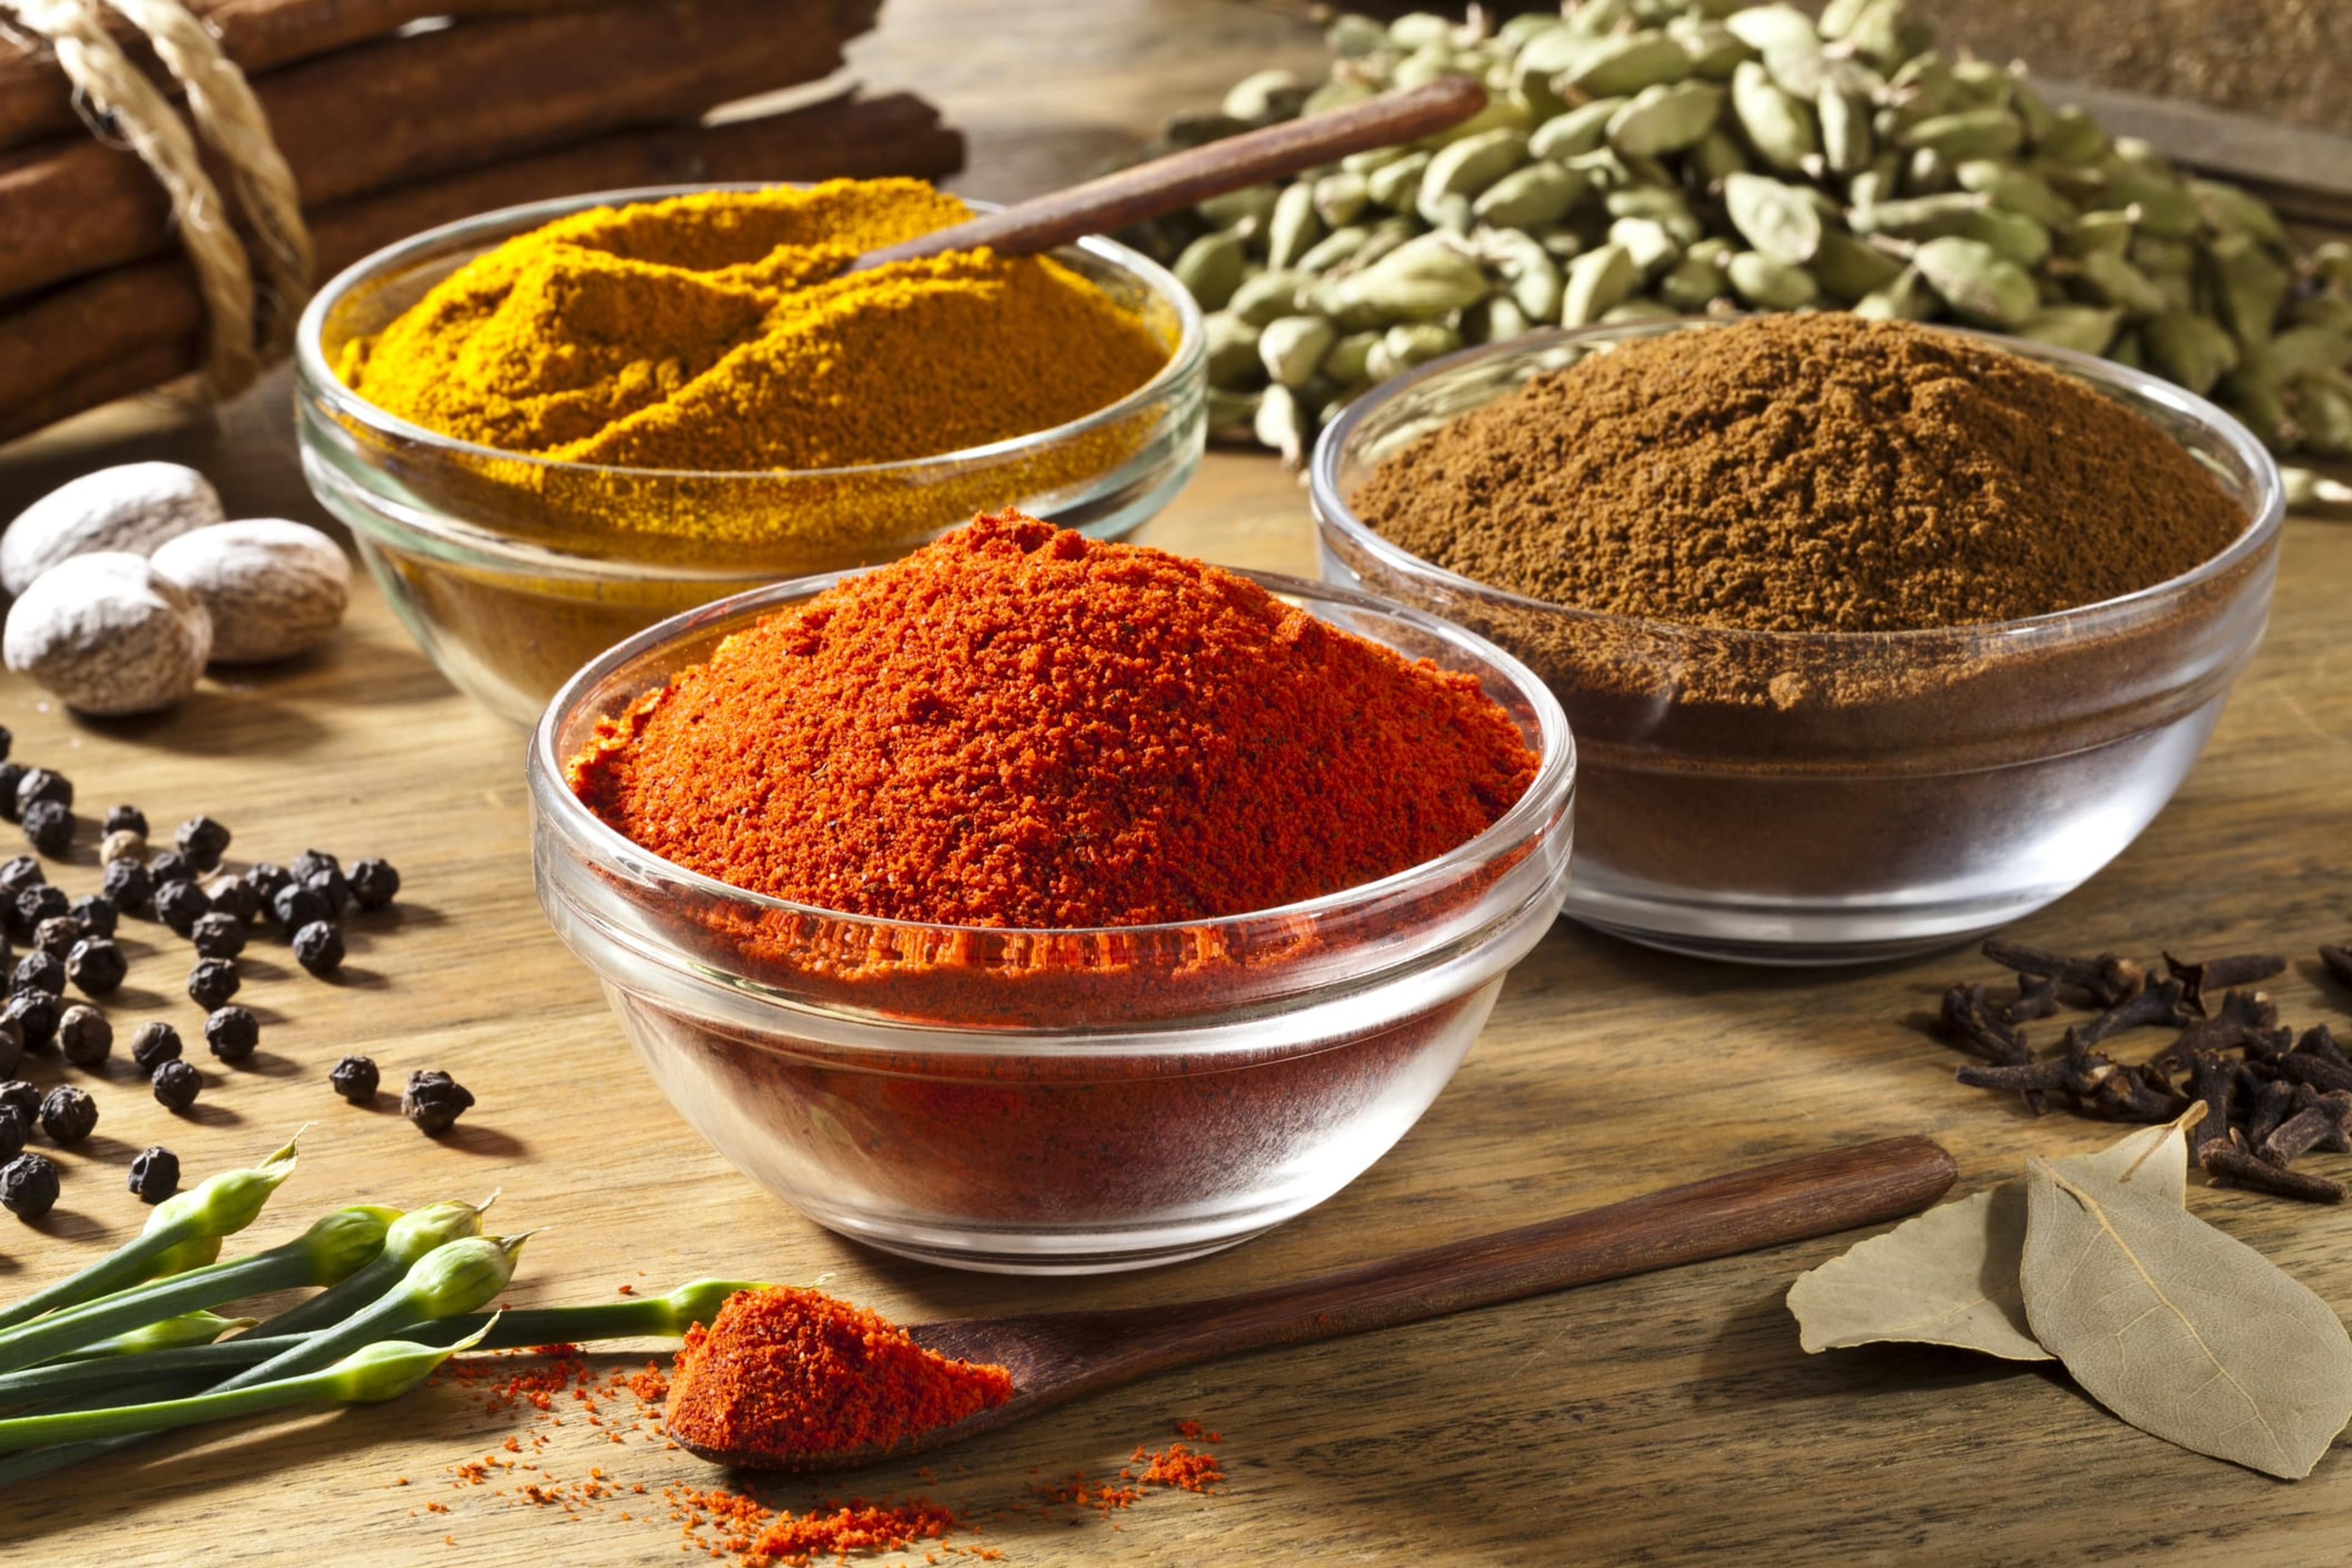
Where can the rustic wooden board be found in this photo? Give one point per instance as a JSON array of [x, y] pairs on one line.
[[1667, 1419]]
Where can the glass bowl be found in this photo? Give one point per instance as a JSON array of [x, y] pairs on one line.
[[509, 570], [1894, 792], [1051, 1101]]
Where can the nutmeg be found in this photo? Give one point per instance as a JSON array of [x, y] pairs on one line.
[[273, 588], [108, 633], [131, 507]]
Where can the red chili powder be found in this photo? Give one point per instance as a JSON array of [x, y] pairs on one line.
[[783, 1373], [1019, 726]]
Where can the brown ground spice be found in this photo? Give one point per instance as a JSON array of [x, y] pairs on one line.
[[1814, 472]]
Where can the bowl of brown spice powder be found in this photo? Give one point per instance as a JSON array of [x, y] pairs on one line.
[[1874, 636]]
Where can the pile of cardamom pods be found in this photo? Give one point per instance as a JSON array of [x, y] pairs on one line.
[[1643, 159]]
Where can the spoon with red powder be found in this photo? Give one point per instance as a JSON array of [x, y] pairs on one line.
[[794, 1380]]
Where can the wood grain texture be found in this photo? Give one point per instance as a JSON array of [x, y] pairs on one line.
[[1668, 1419]]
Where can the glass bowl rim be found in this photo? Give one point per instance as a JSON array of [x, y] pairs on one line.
[[2269, 515], [320, 378], [589, 837]]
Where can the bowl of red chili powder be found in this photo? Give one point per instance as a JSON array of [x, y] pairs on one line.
[[1041, 904]]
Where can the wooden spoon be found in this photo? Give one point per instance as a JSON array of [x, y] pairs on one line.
[[1180, 179], [1056, 1357]]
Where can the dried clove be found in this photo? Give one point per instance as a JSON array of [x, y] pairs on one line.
[[2213, 1081], [2319, 1040], [2272, 1106], [2240, 1024], [2158, 1004], [2106, 979], [2240, 1169], [2304, 1067], [1971, 1023], [2037, 998], [2221, 974]]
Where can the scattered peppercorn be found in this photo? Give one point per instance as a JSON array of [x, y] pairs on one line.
[[7, 739], [35, 1015], [355, 1079], [295, 906], [28, 1186], [434, 1100], [229, 896], [128, 883], [154, 1172], [14, 1130], [212, 981], [265, 878], [23, 1097], [203, 841], [218, 935], [57, 935], [85, 1035], [67, 1114], [12, 1048], [96, 914], [170, 865], [19, 872], [49, 827], [118, 846], [153, 1044], [42, 783], [318, 947], [39, 970], [36, 904], [95, 965], [374, 883], [11, 776], [232, 1033], [310, 862], [126, 819], [176, 1085], [178, 904]]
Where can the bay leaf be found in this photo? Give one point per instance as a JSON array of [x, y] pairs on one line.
[[2185, 1333], [1950, 1276]]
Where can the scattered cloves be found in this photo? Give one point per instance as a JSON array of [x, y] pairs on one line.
[[2106, 979], [2158, 1003], [2221, 974], [2242, 1169]]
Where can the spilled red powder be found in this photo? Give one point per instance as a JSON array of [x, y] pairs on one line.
[[785, 1373]]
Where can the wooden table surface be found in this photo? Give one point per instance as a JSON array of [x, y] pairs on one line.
[[1665, 1419]]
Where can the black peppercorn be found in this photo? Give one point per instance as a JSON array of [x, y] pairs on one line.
[[355, 1079], [176, 1085], [295, 906], [126, 819], [310, 862], [19, 872], [374, 883], [57, 935], [49, 827], [156, 1174], [232, 1033], [203, 841], [15, 1128], [318, 947], [35, 1015], [170, 865], [178, 904], [95, 965], [43, 783], [229, 896], [84, 1035], [128, 883], [67, 1114], [23, 1097], [28, 1186], [96, 914], [11, 776], [7, 739], [152, 1045], [218, 935], [212, 981], [12, 1048], [331, 886], [265, 878], [32, 905], [434, 1100], [39, 970]]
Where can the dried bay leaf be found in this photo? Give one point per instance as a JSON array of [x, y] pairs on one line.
[[1950, 1276], [2181, 1330]]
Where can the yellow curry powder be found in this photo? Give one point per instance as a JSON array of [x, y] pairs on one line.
[[717, 332]]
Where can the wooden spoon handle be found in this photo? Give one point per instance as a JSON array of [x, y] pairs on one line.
[[1814, 1195], [1180, 179]]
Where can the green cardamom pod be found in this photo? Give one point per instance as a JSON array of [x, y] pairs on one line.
[[1778, 128], [2086, 328], [1622, 65], [1211, 267], [1494, 319], [1389, 234], [2185, 348], [2028, 106], [1848, 143], [1402, 347], [1466, 167], [1581, 129], [2249, 287], [2324, 409], [2126, 350], [1246, 209], [1770, 284], [1451, 214], [2300, 350], [1345, 361], [2331, 264], [1351, 36], [1776, 220], [1232, 350], [1338, 92], [2233, 211], [1693, 284], [1596, 280], [1661, 205], [1543, 58], [1978, 281], [1281, 425], [1875, 186], [1715, 51], [2165, 208], [1638, 309], [2014, 189], [2014, 235], [1907, 299], [1541, 192], [1261, 298], [1420, 280], [1880, 33], [1339, 196], [1762, 27], [1529, 272], [1927, 172], [2321, 310], [1918, 217], [2108, 233], [1595, 17], [2262, 410], [1662, 120], [1294, 228], [1230, 414], [1420, 30], [1394, 185], [2157, 254], [1291, 348], [1335, 248], [1265, 97], [1372, 158], [1647, 242], [1849, 270], [1562, 243], [1716, 157]]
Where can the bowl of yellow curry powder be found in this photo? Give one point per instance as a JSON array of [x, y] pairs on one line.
[[552, 426]]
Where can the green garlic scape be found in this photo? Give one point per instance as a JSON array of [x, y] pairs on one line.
[[410, 1238]]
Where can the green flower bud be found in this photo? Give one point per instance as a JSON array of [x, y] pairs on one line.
[[419, 1231], [341, 1242], [461, 1275], [389, 1368]]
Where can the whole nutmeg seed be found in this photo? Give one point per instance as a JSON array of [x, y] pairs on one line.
[[108, 634], [131, 507], [273, 588]]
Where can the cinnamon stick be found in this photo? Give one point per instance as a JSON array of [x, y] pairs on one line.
[[36, 101], [138, 326], [469, 94]]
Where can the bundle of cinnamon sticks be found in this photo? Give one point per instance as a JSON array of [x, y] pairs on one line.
[[394, 120]]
